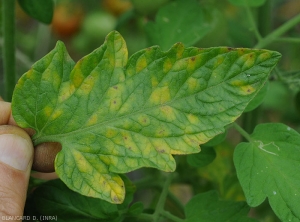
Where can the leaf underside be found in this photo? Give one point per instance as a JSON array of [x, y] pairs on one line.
[[113, 116]]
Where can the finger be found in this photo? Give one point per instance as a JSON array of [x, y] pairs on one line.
[[16, 154], [44, 156], [6, 117]]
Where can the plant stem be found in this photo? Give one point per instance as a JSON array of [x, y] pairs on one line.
[[8, 18], [162, 199], [242, 132], [278, 32], [170, 216], [253, 23], [289, 40]]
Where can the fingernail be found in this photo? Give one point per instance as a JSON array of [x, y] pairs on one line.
[[15, 151]]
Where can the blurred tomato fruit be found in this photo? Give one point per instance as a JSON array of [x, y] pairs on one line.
[[117, 7], [67, 19]]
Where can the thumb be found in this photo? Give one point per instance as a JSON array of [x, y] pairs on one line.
[[16, 154]]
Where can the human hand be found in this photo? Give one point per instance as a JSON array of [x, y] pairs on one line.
[[17, 158]]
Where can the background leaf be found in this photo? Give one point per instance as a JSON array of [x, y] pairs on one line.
[[292, 79], [71, 206], [208, 207], [112, 116], [179, 21], [267, 167], [40, 10], [205, 157], [252, 3]]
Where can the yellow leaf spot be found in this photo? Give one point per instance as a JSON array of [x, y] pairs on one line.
[[30, 74], [48, 110], [66, 92], [191, 64], [154, 81], [144, 120], [192, 84], [250, 60], [160, 95], [77, 77], [264, 56], [82, 164], [56, 114], [115, 104], [87, 85], [167, 65], [110, 133], [141, 64], [193, 119], [132, 163], [92, 120], [219, 61], [117, 190], [247, 89], [168, 113]]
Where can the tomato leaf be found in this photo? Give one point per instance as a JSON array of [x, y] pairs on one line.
[[267, 168], [179, 21], [205, 157], [71, 206], [208, 207], [40, 10], [258, 99], [113, 116]]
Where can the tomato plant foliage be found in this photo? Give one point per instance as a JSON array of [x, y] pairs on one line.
[[113, 115]]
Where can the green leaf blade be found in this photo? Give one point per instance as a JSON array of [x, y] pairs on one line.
[[40, 10], [266, 169], [180, 21], [76, 207], [114, 116], [208, 207]]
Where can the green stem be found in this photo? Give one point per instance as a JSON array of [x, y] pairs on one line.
[[162, 199], [253, 23], [8, 17], [278, 32], [148, 182], [242, 132], [170, 216], [289, 40], [144, 217], [250, 119]]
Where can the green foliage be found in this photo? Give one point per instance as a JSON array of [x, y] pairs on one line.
[[266, 168], [75, 207], [112, 116], [258, 99], [206, 156], [40, 10], [208, 207], [252, 3], [169, 27]]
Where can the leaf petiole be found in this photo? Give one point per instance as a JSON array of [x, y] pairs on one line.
[[162, 199], [242, 132], [273, 36]]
